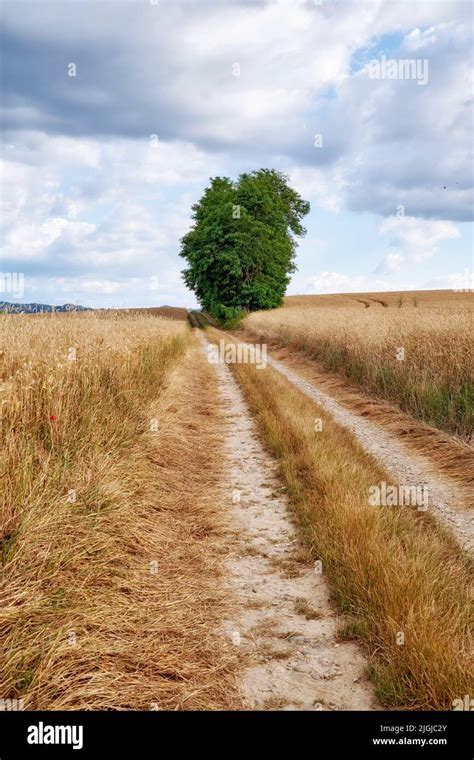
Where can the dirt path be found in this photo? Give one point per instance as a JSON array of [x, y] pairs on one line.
[[290, 661], [409, 469]]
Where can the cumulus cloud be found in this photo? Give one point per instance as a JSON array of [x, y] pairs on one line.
[[101, 168], [80, 214], [338, 282], [170, 70], [418, 237]]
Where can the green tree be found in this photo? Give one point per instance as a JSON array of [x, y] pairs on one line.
[[241, 249]]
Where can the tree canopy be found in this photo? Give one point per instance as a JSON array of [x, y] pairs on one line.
[[241, 249]]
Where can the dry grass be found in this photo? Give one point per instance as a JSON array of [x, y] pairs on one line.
[[391, 569], [361, 336], [305, 608], [110, 601], [444, 453]]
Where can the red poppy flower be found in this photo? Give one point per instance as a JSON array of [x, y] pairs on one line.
[[53, 417]]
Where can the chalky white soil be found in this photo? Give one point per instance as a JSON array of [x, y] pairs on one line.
[[289, 661], [409, 470]]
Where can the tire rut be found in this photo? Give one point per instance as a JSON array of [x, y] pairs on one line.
[[284, 624], [390, 452]]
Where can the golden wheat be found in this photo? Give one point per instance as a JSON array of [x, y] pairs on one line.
[[419, 358], [392, 570], [109, 525]]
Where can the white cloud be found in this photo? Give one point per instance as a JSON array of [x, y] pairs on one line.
[[93, 205], [28, 242], [167, 70], [323, 187], [87, 286], [337, 282], [418, 237], [391, 262]]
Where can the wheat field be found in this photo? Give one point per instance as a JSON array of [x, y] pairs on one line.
[[108, 599], [413, 349], [111, 505]]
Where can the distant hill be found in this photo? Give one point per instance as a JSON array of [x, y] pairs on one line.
[[38, 308]]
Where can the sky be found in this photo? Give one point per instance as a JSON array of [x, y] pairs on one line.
[[115, 114]]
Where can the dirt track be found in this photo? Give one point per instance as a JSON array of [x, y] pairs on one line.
[[291, 662], [384, 446], [445, 498]]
